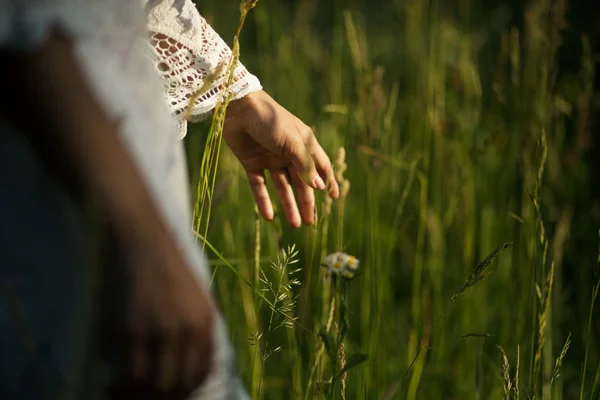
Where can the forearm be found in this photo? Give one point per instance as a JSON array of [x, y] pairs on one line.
[[192, 61], [57, 94]]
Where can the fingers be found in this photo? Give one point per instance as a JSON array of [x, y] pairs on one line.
[[167, 365], [174, 366], [168, 360], [155, 364], [294, 213], [295, 150], [311, 169], [192, 366], [261, 194], [305, 155], [320, 159], [265, 136], [323, 165], [306, 198], [282, 183], [196, 360]]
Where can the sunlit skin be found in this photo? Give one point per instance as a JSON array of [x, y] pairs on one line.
[[264, 136]]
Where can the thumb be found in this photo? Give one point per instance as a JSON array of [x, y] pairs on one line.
[[295, 151]]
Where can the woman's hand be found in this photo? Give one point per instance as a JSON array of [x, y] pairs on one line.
[[170, 322], [265, 136]]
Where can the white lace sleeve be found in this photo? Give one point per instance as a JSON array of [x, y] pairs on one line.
[[187, 52]]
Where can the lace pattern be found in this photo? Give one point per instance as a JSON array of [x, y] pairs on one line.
[[190, 56]]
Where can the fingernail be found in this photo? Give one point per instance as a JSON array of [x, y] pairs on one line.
[[318, 182]]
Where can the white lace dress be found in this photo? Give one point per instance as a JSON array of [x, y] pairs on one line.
[[124, 63]]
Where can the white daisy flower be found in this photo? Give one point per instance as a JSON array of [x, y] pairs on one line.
[[352, 263], [347, 274], [343, 264], [330, 260]]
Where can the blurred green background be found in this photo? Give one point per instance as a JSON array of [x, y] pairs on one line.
[[465, 124]]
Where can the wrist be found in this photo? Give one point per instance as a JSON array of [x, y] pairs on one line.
[[246, 103]]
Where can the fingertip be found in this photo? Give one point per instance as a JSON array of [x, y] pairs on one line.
[[261, 195], [268, 215], [334, 189], [266, 210], [295, 222], [308, 223], [318, 183]]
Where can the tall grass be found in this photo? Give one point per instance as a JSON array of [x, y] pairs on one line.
[[460, 133]]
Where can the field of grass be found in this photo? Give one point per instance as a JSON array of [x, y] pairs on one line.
[[463, 131]]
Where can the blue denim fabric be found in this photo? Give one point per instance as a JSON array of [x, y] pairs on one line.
[[43, 278]]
